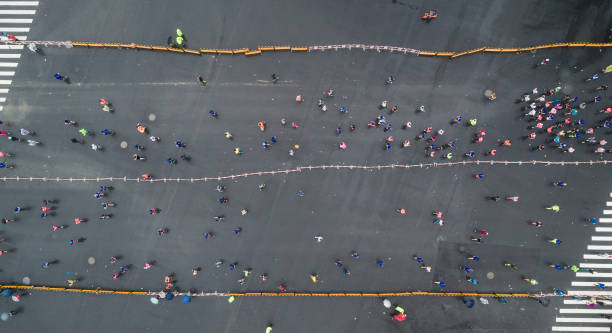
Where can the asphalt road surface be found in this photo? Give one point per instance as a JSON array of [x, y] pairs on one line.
[[354, 210]]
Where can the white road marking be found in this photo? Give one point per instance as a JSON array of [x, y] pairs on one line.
[[6, 81], [11, 47], [18, 3], [603, 229], [4, 91], [605, 220], [580, 329], [17, 12], [588, 293], [589, 283], [582, 320], [584, 311], [15, 20], [608, 203], [591, 265], [10, 55], [580, 302], [599, 247], [597, 256], [6, 73], [15, 29], [601, 238], [2, 99], [8, 64], [607, 212], [593, 275]]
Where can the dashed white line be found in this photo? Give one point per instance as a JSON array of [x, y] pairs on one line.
[[17, 12], [580, 329]]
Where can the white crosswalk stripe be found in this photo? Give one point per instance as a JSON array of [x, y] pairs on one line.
[[580, 329], [15, 19], [593, 284]]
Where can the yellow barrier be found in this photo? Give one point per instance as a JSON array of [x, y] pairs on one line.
[[260, 49]]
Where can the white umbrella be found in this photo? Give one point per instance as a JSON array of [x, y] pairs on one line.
[[387, 303]]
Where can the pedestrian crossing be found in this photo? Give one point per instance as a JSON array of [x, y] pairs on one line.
[[15, 20], [589, 314]]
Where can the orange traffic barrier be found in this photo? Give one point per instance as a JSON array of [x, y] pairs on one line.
[[250, 53]]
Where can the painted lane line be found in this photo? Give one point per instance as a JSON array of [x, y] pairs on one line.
[[602, 256], [582, 302], [6, 82], [10, 55], [605, 220], [588, 293], [607, 212], [8, 64], [18, 3], [11, 47], [601, 238], [591, 265], [6, 73], [582, 320], [589, 283], [4, 91], [14, 29], [599, 247], [17, 12], [589, 311], [603, 229], [2, 99], [609, 203], [16, 20], [593, 275], [580, 329]]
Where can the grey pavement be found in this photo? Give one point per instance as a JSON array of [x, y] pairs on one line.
[[354, 210]]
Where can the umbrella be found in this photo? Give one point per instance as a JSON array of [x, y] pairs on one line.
[[608, 69], [186, 299], [468, 302], [7, 292], [4, 316], [387, 303], [169, 296], [154, 300]]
